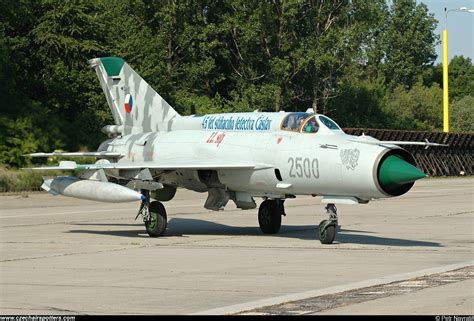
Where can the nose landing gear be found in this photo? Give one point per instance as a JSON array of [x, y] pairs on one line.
[[154, 215], [327, 228]]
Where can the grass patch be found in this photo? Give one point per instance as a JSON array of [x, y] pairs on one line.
[[18, 180], [27, 180]]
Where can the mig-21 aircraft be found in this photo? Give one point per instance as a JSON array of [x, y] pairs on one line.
[[152, 150]]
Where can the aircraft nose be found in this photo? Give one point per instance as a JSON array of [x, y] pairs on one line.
[[395, 171]]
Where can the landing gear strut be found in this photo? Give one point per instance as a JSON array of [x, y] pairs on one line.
[[269, 216], [154, 215], [327, 228]]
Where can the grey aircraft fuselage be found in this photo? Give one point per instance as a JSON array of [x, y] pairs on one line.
[[327, 162], [152, 150]]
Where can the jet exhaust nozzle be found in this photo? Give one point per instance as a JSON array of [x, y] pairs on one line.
[[90, 189]]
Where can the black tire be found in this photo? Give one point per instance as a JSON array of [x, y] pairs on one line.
[[326, 236], [156, 226], [269, 217]]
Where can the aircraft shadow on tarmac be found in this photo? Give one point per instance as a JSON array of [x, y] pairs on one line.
[[186, 226]]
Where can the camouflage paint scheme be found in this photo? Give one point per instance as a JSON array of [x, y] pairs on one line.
[[234, 156]]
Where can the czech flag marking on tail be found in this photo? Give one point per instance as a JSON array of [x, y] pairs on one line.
[[128, 103]]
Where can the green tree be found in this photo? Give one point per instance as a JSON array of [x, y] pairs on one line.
[[297, 51], [7, 76], [415, 108], [361, 104], [461, 77], [359, 61], [405, 47], [22, 123], [462, 114], [66, 35]]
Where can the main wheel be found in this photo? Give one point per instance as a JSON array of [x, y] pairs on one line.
[[269, 217], [326, 235], [156, 226]]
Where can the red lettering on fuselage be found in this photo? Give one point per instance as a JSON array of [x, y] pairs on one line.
[[216, 138]]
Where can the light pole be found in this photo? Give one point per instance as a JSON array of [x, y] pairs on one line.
[[445, 68]]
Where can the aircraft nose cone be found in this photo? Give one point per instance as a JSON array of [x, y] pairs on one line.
[[394, 171]]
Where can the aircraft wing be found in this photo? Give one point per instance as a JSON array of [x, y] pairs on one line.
[[426, 143], [166, 164], [79, 154]]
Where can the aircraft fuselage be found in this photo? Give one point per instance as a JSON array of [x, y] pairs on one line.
[[327, 163]]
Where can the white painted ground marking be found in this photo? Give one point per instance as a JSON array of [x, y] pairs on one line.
[[233, 309]]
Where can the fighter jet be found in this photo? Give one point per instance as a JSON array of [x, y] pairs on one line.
[[152, 150]]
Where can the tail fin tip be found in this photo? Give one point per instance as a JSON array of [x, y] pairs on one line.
[[135, 105], [112, 65]]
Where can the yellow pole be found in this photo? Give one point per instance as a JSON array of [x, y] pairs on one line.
[[445, 83]]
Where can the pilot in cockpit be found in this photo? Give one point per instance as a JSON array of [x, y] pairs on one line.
[[311, 126]]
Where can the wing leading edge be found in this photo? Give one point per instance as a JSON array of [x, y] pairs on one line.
[[79, 154], [426, 143], [168, 164]]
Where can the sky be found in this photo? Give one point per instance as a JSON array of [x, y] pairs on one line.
[[460, 27]]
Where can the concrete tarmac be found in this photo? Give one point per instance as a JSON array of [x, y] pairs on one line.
[[66, 256], [450, 299]]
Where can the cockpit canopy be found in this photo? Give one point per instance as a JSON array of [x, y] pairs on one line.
[[302, 122], [293, 121]]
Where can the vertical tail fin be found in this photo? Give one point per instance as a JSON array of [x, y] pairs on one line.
[[135, 105]]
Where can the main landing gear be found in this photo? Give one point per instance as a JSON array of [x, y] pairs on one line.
[[154, 215], [271, 211], [327, 228], [269, 215], [269, 218]]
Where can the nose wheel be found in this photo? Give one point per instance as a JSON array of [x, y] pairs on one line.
[[327, 228], [156, 224], [153, 214]]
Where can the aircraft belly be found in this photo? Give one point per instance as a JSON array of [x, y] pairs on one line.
[[248, 180], [188, 179]]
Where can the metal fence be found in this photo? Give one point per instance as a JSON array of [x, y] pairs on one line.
[[453, 160]]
